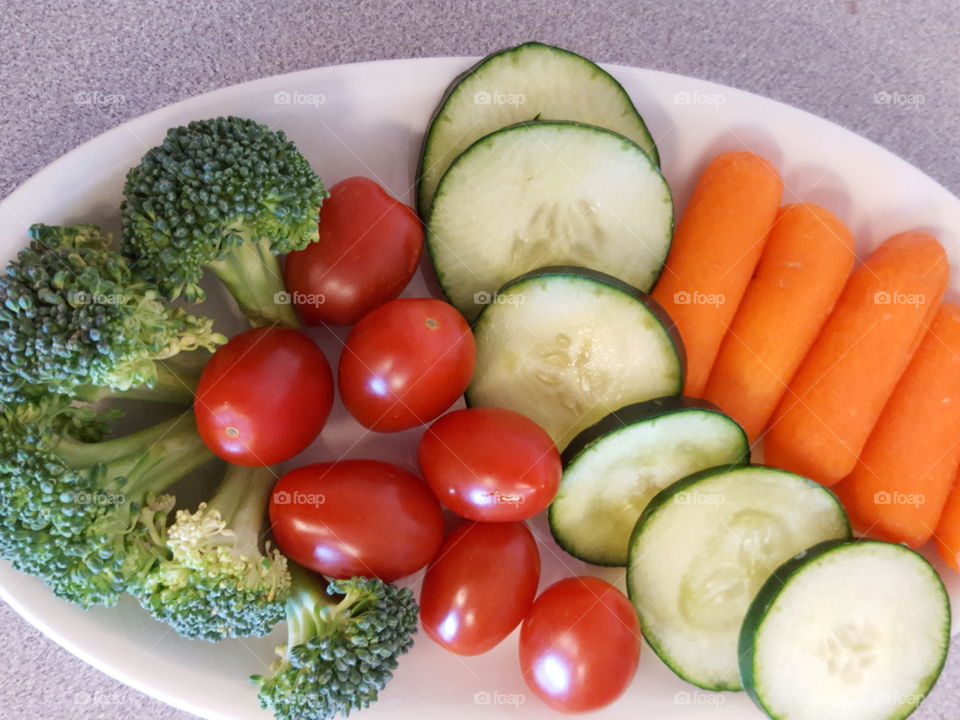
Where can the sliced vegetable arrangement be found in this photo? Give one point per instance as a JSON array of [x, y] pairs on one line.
[[704, 546], [846, 629], [618, 376], [571, 195], [615, 467], [542, 352]]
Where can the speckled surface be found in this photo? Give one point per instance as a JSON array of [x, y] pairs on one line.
[[887, 70]]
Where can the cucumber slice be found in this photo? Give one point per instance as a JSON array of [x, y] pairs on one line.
[[527, 82], [846, 631], [704, 546], [614, 468], [547, 193], [566, 345]]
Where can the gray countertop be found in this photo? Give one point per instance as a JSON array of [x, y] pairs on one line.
[[887, 70]]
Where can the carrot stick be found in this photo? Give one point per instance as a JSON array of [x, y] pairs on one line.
[[834, 400], [948, 529], [805, 263], [899, 485], [715, 248]]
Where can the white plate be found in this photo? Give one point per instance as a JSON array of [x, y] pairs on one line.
[[368, 119]]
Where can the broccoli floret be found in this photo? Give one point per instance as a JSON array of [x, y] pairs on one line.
[[228, 194], [87, 515], [216, 582], [75, 319], [343, 643]]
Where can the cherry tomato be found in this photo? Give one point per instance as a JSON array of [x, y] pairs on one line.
[[356, 517], [490, 464], [405, 363], [368, 250], [264, 396], [480, 586], [580, 645]]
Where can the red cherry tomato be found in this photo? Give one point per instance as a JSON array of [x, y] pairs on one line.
[[580, 645], [480, 586], [405, 363], [356, 517], [264, 396], [368, 250], [490, 464]]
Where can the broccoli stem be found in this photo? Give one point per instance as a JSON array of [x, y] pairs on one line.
[[252, 275], [308, 605], [241, 499], [174, 384], [144, 462]]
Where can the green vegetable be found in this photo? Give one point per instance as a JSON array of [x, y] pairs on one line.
[[75, 319], [226, 194], [216, 582], [86, 514], [342, 649]]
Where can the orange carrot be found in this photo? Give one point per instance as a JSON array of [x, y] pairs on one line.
[[715, 248], [948, 529], [837, 394], [805, 263], [898, 487]]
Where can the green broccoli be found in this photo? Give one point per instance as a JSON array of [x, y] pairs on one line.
[[343, 643], [87, 515], [216, 582], [228, 194], [75, 319]]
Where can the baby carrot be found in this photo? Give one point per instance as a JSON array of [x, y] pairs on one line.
[[715, 249], [805, 263], [899, 485], [835, 398], [948, 529]]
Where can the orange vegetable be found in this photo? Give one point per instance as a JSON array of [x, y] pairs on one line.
[[948, 529], [805, 263], [715, 249], [837, 394], [898, 488]]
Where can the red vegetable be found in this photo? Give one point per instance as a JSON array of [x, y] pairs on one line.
[[481, 585], [356, 517], [405, 363], [490, 464], [368, 250], [580, 645], [264, 396]]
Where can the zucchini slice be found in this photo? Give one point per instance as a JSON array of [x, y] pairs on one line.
[[547, 193], [566, 345], [704, 546], [855, 630], [527, 82], [613, 468]]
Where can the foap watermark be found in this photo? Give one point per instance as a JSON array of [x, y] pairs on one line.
[[95, 97], [482, 297], [296, 97], [885, 497], [695, 497], [501, 498], [299, 298], [98, 497], [894, 98], [296, 497], [484, 97], [487, 697], [685, 297], [699, 98], [696, 697], [98, 698], [81, 297], [884, 297]]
